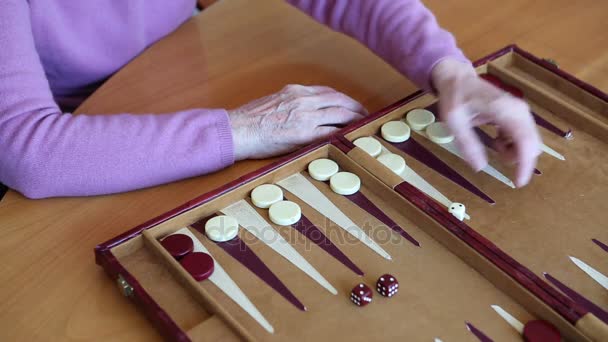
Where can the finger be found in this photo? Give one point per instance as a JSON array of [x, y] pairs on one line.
[[307, 135], [319, 89], [517, 126], [473, 151], [323, 132], [332, 116], [336, 99]]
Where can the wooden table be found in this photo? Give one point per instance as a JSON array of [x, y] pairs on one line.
[[233, 52]]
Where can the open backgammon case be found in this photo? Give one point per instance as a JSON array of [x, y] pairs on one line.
[[528, 262]]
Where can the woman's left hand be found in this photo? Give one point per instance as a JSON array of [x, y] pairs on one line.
[[467, 101]]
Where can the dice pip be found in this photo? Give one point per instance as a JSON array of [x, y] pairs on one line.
[[361, 295], [387, 285]]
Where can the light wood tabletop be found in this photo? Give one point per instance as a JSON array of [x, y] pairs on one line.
[[233, 52]]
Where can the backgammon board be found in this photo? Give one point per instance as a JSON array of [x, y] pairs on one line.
[[384, 233]]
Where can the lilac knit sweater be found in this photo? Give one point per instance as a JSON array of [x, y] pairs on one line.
[[53, 53]]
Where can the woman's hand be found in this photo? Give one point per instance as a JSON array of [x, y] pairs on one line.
[[467, 101], [295, 116]]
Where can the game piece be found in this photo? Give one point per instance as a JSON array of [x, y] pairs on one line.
[[478, 333], [601, 244], [254, 223], [395, 131], [541, 331], [518, 93], [369, 145], [345, 183], [222, 228], [284, 213], [265, 195], [393, 161], [198, 264], [322, 169], [361, 295], [487, 140], [593, 273], [387, 285], [178, 245], [302, 188], [423, 155], [579, 298], [516, 324], [458, 210], [439, 133], [396, 162], [239, 250], [489, 169], [314, 234], [419, 118], [222, 280]]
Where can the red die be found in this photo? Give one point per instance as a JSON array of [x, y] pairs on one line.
[[361, 295], [387, 285]]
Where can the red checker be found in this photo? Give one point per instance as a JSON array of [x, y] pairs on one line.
[[538, 330], [178, 245], [199, 265]]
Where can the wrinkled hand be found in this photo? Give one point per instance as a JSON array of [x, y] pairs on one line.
[[295, 116], [467, 101]]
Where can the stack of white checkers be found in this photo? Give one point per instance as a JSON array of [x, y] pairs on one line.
[[397, 132]]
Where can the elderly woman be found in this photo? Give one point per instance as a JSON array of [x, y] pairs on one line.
[[54, 53]]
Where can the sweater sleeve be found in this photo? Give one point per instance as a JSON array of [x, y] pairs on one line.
[[44, 152], [402, 32]]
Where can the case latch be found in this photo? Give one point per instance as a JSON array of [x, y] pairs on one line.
[[552, 61], [125, 288]]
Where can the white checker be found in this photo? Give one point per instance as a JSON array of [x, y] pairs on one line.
[[517, 325], [369, 145], [395, 131], [439, 133], [592, 272], [222, 280], [345, 183], [393, 161], [253, 222], [285, 213], [265, 195], [322, 169], [419, 118], [302, 188], [222, 228]]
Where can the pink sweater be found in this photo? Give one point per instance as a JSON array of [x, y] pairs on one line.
[[54, 53]]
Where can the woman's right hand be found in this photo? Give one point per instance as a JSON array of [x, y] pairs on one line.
[[295, 116]]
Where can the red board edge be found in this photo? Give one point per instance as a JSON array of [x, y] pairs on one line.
[[563, 74], [169, 330]]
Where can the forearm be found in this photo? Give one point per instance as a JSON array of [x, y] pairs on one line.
[[82, 155], [403, 32]]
